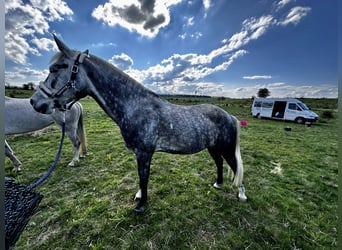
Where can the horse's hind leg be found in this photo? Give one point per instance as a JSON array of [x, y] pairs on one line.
[[235, 163], [219, 164], [9, 153], [81, 133]]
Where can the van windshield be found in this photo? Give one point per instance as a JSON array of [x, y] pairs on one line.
[[303, 106]]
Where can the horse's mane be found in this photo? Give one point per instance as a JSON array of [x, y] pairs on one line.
[[120, 72]]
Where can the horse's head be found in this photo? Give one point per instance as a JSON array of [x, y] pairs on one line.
[[65, 83]]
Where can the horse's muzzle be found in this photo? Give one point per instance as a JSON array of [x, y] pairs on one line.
[[40, 106]]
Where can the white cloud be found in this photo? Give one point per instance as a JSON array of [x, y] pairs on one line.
[[23, 22], [54, 10], [100, 45], [145, 17], [185, 73], [302, 90], [122, 61], [182, 36], [191, 67], [17, 48], [19, 76], [183, 69], [295, 15], [257, 77], [190, 21], [252, 29], [282, 3], [180, 73], [195, 35], [206, 4], [44, 44], [228, 90], [281, 90]]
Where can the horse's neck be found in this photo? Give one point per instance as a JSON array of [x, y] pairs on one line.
[[116, 92]]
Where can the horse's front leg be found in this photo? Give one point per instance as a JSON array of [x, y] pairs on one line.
[[9, 153], [71, 132], [144, 161], [76, 158]]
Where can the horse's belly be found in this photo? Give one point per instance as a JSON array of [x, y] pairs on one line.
[[188, 136], [178, 149], [183, 145]]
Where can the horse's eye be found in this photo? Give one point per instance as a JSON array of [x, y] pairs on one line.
[[53, 69], [53, 84], [56, 67]]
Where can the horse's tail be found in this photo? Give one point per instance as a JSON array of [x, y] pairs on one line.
[[81, 130], [239, 165]]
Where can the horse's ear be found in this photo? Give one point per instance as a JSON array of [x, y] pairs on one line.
[[62, 47]]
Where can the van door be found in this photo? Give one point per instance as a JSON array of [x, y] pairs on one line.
[[279, 109], [293, 111], [266, 108]]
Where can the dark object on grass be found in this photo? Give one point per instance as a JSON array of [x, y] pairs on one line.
[[287, 129], [20, 204]]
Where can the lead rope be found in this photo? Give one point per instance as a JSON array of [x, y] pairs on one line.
[[54, 164]]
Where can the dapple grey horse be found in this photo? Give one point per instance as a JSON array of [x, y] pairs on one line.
[[21, 118], [147, 122]]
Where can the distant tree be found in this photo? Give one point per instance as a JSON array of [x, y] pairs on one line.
[[264, 92], [28, 86]]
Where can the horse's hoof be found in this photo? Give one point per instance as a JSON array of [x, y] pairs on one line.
[[217, 186], [17, 169], [139, 209], [73, 164], [242, 197]]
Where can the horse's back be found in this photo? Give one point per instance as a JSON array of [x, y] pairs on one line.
[[20, 117]]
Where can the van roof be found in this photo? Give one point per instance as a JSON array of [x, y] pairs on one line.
[[277, 99]]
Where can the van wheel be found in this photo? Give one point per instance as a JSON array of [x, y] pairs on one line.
[[300, 120]]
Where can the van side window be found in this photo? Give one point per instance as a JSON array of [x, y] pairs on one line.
[[292, 106], [267, 104], [257, 104]]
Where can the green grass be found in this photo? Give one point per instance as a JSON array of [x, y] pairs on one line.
[[290, 180]]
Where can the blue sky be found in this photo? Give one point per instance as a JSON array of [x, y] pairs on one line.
[[204, 47]]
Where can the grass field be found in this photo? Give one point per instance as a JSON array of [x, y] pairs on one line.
[[290, 180]]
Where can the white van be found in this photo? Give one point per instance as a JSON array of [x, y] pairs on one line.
[[288, 109]]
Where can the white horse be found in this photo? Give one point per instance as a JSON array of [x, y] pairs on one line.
[[21, 118]]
